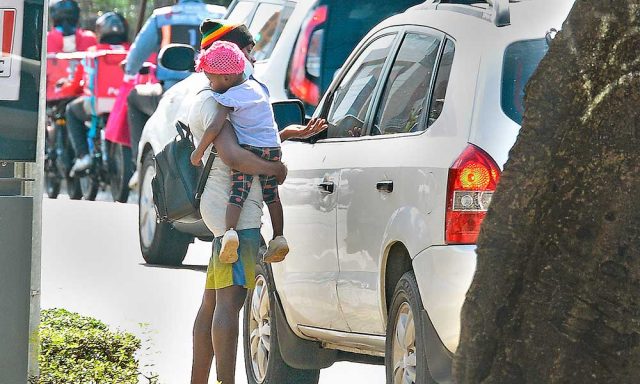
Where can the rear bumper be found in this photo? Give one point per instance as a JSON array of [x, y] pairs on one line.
[[444, 274]]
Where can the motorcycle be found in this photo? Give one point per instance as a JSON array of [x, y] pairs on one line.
[[102, 82], [59, 154]]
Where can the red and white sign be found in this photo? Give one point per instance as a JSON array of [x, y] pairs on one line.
[[11, 14]]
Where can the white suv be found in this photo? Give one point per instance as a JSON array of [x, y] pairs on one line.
[[383, 211]]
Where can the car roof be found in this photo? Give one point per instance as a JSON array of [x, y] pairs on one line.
[[529, 20]]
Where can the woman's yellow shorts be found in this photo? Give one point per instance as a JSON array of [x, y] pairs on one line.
[[243, 271]]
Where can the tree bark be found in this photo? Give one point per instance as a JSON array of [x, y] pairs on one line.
[[555, 298]]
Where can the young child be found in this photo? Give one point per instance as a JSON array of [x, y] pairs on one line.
[[246, 104]]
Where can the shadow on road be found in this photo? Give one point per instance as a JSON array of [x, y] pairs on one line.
[[197, 268]]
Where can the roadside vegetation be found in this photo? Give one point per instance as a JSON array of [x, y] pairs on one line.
[[81, 349]]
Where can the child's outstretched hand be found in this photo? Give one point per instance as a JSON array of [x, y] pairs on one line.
[[196, 158]]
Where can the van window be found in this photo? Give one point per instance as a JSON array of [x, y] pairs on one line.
[[408, 86], [240, 12], [520, 61], [353, 96], [266, 27]]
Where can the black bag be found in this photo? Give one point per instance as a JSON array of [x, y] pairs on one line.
[[178, 185]]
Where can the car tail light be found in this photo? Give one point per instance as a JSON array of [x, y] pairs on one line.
[[305, 64], [473, 178]]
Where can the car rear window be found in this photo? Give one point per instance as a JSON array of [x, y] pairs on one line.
[[520, 61], [267, 25]]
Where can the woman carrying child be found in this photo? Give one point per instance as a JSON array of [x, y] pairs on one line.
[[216, 325], [250, 112]]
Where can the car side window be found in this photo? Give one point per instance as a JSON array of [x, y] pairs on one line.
[[442, 81], [351, 100], [408, 86]]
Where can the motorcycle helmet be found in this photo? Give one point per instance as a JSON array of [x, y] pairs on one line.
[[65, 14], [112, 28]]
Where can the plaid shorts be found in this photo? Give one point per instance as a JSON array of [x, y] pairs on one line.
[[241, 182]]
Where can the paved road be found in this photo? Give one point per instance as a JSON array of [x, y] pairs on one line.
[[91, 264]]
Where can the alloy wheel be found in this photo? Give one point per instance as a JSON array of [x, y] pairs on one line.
[[260, 329], [404, 346]]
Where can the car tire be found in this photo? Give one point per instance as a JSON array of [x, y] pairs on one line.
[[160, 243], [407, 335], [120, 171], [262, 359]]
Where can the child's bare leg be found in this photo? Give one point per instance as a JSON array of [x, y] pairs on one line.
[[240, 186], [232, 216], [277, 219], [278, 247]]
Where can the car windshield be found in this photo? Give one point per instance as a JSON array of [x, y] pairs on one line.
[[520, 61]]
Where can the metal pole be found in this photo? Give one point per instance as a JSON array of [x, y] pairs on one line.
[[36, 171]]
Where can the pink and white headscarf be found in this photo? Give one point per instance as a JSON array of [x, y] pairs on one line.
[[221, 58]]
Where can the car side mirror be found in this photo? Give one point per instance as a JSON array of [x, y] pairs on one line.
[[178, 57], [288, 112]]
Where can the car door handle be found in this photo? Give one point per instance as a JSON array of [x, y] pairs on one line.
[[385, 186], [326, 187]]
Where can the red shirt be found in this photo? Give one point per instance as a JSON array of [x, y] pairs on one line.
[[84, 40]]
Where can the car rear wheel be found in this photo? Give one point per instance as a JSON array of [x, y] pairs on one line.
[[160, 243], [406, 359], [262, 359]]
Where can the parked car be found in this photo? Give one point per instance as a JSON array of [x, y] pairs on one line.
[[276, 25], [383, 210]]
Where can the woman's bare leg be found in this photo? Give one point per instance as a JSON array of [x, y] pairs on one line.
[[202, 343], [225, 330], [236, 157]]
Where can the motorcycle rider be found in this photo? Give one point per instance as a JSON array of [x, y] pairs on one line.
[[66, 36], [113, 34], [178, 23]]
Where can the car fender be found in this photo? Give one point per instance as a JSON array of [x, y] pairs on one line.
[[405, 225]]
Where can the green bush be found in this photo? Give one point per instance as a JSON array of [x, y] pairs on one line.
[[80, 349]]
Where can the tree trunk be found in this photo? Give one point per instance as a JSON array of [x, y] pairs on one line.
[[555, 298]]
